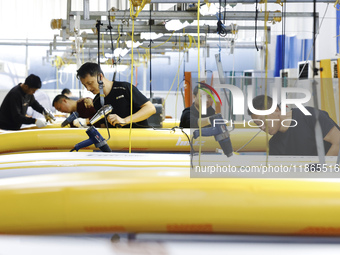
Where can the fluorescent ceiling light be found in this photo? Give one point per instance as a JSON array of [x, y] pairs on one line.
[[135, 44], [175, 24], [211, 10], [102, 60], [150, 36], [118, 52]]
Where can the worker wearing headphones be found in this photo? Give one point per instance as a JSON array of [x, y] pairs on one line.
[[117, 94]]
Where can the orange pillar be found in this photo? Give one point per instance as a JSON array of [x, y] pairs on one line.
[[187, 89]]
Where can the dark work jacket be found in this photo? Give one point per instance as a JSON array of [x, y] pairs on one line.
[[14, 108]]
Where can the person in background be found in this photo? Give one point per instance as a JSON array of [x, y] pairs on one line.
[[190, 115], [83, 106], [297, 135], [14, 106], [68, 93], [117, 94]]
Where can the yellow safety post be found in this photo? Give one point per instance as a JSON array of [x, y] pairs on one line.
[[327, 92]]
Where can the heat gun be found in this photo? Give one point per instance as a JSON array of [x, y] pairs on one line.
[[94, 138], [48, 115], [219, 131], [70, 119], [101, 113]]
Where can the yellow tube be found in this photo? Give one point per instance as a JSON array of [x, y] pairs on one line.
[[167, 201], [142, 140], [327, 91], [169, 123]]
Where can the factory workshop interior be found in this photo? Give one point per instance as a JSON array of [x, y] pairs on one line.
[[169, 127]]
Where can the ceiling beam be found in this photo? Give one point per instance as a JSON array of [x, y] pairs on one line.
[[240, 1], [192, 15]]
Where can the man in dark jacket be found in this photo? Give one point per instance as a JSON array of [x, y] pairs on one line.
[[14, 106]]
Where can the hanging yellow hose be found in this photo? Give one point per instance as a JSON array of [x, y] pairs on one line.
[[179, 64], [131, 105], [141, 7], [266, 79], [117, 44], [58, 63], [335, 5], [199, 79]]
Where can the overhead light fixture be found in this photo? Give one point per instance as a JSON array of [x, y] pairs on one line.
[[102, 59], [175, 24], [150, 36], [208, 10], [135, 44], [118, 52]]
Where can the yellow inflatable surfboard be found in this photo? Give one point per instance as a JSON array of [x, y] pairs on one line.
[[167, 201], [154, 193], [142, 140]]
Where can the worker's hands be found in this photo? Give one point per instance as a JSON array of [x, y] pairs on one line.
[[114, 119], [88, 103], [79, 123], [48, 115], [40, 123]]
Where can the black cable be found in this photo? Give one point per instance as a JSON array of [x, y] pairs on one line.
[[190, 142], [107, 127], [219, 11], [225, 11], [283, 35], [112, 49], [220, 27], [98, 79], [256, 18], [98, 38], [150, 56]]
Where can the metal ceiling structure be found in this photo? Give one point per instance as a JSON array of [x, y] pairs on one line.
[[78, 31]]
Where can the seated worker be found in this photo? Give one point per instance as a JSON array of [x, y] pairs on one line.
[[68, 93], [83, 106], [14, 107], [296, 135], [118, 95], [190, 115]]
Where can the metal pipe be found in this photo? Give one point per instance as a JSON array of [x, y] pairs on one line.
[[86, 6], [190, 15]]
